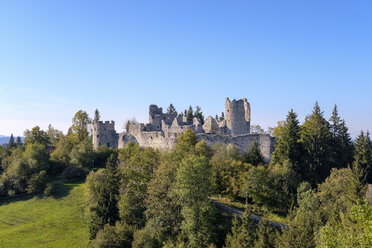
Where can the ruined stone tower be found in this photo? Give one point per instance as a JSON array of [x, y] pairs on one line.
[[104, 134], [163, 129], [238, 116]]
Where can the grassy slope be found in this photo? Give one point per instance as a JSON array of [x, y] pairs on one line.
[[56, 221]]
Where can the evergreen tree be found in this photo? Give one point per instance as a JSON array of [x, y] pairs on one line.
[[266, 235], [11, 144], [97, 116], [254, 154], [171, 109], [243, 234], [189, 113], [363, 155], [315, 140], [199, 114], [222, 116], [106, 209], [342, 147], [192, 188], [287, 146], [19, 142]]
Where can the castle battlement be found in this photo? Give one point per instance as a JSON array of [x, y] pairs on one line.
[[163, 129]]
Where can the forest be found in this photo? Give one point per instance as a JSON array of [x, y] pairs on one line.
[[314, 186]]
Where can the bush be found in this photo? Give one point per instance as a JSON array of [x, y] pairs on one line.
[[120, 235], [74, 172], [37, 182]]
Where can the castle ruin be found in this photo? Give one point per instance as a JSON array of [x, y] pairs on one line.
[[163, 129]]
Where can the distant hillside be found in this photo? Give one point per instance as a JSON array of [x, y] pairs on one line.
[[5, 139]]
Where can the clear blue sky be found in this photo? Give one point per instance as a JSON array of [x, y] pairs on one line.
[[57, 57]]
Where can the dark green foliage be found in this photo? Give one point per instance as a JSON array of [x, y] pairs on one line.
[[82, 154], [171, 109], [101, 155], [54, 135], [222, 163], [287, 146], [254, 154], [316, 140], [189, 113], [202, 149], [78, 132], [120, 235], [162, 206], [138, 166], [60, 157], [147, 237], [353, 230], [11, 144], [106, 210], [338, 193], [363, 156], [266, 235], [342, 147], [192, 187], [36, 135], [243, 232], [222, 117], [305, 221], [199, 114], [19, 142], [186, 143], [37, 182], [97, 116], [273, 187]]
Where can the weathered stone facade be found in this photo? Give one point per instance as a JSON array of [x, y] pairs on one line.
[[163, 129]]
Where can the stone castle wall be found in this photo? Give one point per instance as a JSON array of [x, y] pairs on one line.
[[104, 134], [163, 130]]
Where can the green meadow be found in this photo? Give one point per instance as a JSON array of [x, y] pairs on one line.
[[37, 221]]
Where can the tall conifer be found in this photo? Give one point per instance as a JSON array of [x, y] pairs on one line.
[[106, 209], [287, 146], [363, 155], [315, 139], [342, 147], [11, 144]]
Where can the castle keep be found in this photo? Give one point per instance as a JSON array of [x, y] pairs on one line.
[[163, 129]]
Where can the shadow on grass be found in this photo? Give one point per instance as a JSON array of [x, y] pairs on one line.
[[60, 190], [63, 189]]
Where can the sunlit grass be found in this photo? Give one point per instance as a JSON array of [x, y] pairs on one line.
[[38, 221]]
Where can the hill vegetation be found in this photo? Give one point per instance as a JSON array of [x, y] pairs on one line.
[[143, 197]]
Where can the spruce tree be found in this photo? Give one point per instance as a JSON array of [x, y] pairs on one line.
[[106, 209], [266, 235], [11, 144], [171, 109], [316, 139], [97, 117], [189, 113], [243, 232], [363, 155], [342, 147], [222, 116], [19, 142], [254, 154], [287, 146], [199, 114]]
